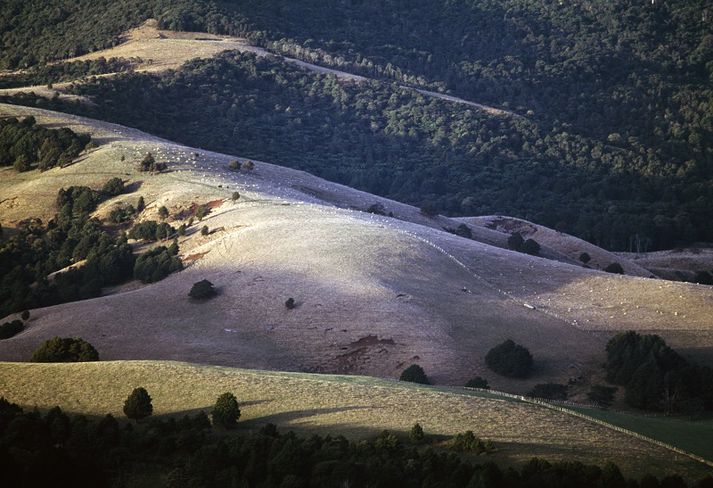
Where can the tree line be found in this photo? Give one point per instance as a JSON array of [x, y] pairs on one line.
[[53, 448]]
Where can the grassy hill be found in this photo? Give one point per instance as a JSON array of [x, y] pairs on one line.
[[358, 407], [374, 293]]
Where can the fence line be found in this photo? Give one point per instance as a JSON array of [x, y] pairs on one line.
[[553, 406]]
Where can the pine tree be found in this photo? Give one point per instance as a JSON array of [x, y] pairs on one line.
[[138, 404], [226, 411]]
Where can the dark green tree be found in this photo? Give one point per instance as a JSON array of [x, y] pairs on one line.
[[138, 404], [202, 290], [414, 374], [226, 411], [510, 359]]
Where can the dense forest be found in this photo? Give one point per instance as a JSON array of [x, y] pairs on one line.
[[392, 141], [612, 142], [24, 145], [62, 451]]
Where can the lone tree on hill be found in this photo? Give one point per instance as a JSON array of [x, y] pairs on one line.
[[290, 303], [138, 404], [226, 411], [202, 290], [65, 350], [415, 374], [510, 359]]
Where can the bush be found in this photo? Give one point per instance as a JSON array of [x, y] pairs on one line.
[[248, 165], [510, 359], [156, 264], [416, 435], [163, 212], [236, 196], [151, 231], [138, 404], [585, 257], [602, 395], [25, 315], [531, 246], [468, 442], [113, 187], [9, 329], [202, 290], [202, 211], [478, 382], [205, 230], [121, 214], [226, 411], [65, 350], [377, 209], [150, 164], [140, 205], [234, 165], [415, 374], [386, 441], [464, 231], [614, 268], [515, 241], [290, 303], [550, 391]]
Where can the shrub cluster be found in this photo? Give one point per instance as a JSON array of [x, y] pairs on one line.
[[65, 350]]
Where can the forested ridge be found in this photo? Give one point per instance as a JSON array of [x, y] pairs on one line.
[[617, 98], [392, 141]]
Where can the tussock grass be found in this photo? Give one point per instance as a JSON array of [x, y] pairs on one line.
[[358, 407]]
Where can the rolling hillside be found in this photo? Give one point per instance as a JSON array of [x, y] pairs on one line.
[[353, 406], [374, 293]]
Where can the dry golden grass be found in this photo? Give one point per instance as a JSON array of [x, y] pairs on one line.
[[355, 406]]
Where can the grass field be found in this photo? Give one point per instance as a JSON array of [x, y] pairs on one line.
[[358, 407], [692, 436]]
